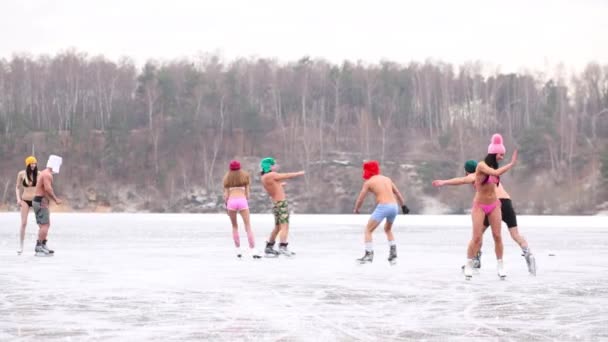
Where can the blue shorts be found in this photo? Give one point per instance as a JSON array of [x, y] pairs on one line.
[[385, 211]]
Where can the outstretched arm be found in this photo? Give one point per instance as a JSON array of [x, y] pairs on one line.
[[289, 175], [468, 179], [484, 168], [361, 197]]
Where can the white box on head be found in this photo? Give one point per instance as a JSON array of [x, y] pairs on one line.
[[54, 163]]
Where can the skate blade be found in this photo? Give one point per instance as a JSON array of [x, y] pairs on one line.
[[502, 277], [392, 262], [467, 277], [19, 252], [271, 256], [363, 262], [43, 255], [257, 257]]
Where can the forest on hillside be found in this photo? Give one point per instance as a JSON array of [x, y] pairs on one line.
[[166, 129]]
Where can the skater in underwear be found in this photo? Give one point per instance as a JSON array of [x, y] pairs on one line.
[[387, 196], [507, 212], [273, 182], [25, 190], [486, 203], [236, 193]]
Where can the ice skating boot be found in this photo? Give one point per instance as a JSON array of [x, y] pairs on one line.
[[392, 255], [530, 261], [254, 253], [477, 260], [500, 269], [45, 246], [41, 250], [284, 251], [468, 269], [368, 257], [269, 251]]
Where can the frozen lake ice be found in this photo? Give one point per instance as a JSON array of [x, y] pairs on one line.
[[170, 277]]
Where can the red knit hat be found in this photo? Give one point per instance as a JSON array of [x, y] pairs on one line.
[[235, 165], [370, 169]]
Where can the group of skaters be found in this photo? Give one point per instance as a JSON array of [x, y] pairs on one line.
[[491, 205]]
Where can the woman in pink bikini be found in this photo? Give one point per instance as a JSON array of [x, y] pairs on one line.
[[486, 203], [236, 193]]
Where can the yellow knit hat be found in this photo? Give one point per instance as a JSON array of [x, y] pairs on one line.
[[30, 160]]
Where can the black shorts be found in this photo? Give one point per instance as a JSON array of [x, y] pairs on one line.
[[28, 203], [508, 214]]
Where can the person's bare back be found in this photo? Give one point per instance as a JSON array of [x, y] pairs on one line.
[[383, 188]]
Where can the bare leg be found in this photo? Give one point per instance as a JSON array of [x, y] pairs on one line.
[[369, 229], [235, 228], [274, 233], [521, 241], [25, 209], [43, 232], [392, 254], [247, 221], [388, 230], [283, 232], [495, 219], [369, 247], [477, 215]]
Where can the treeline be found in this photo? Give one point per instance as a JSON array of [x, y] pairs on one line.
[[167, 123]]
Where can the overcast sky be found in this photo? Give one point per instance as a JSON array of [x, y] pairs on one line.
[[512, 35]]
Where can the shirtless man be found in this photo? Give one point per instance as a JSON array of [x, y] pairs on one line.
[[44, 192], [386, 208], [273, 184]]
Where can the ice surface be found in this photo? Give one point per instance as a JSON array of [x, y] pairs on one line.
[[149, 277]]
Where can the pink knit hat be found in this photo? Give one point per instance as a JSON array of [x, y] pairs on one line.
[[496, 147]]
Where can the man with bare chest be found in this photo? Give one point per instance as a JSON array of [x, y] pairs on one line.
[[273, 184], [40, 204]]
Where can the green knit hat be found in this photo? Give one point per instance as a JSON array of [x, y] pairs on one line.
[[266, 164], [470, 166]]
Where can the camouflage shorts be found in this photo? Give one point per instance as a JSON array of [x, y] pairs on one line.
[[42, 214], [281, 212]]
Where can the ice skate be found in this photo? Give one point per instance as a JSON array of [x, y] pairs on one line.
[[269, 251], [368, 257], [284, 251], [468, 269], [392, 255], [530, 261], [500, 269]]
